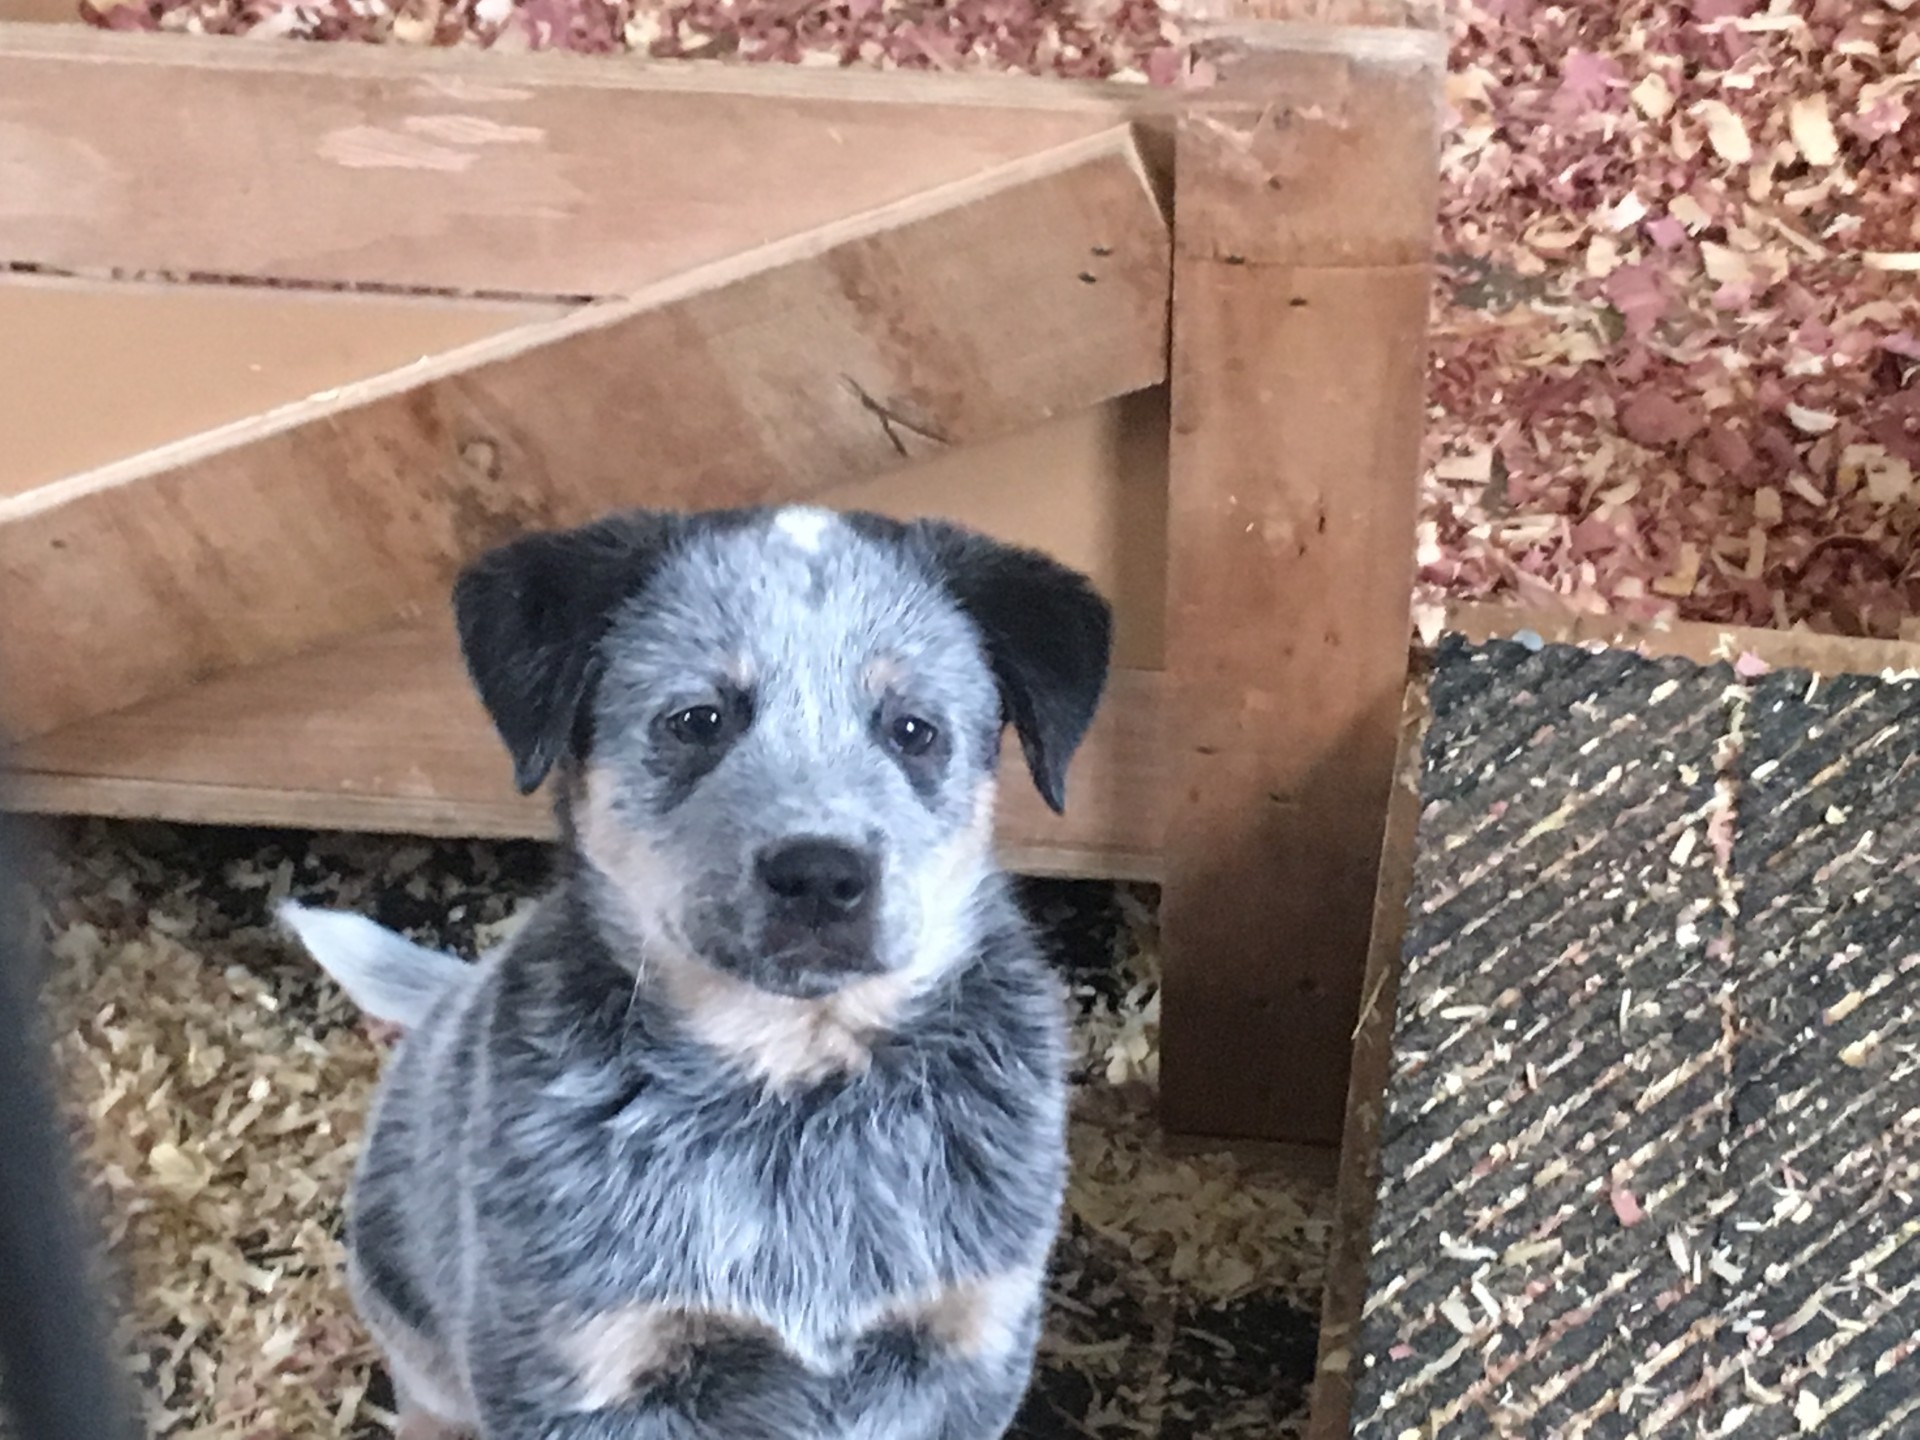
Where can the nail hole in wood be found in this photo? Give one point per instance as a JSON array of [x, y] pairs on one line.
[[481, 456]]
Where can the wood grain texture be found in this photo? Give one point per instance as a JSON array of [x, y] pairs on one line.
[[491, 174], [148, 365], [168, 361], [1303, 234], [1357, 1180], [1219, 15], [972, 311], [39, 12], [383, 733], [1690, 640]]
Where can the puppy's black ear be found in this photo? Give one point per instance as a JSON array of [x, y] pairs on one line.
[[1049, 638], [531, 615]]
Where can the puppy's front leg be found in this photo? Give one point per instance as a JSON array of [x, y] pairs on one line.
[[953, 1365], [641, 1372]]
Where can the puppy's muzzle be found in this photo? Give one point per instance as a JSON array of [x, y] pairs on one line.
[[820, 897], [817, 884]]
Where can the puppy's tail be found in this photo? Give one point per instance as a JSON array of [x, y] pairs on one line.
[[386, 975]]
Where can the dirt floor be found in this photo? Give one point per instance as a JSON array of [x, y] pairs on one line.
[[217, 1083]]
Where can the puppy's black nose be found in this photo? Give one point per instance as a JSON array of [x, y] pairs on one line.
[[821, 881]]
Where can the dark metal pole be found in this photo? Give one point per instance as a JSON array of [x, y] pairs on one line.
[[58, 1377]]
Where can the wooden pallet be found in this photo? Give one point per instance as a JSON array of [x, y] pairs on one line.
[[294, 330]]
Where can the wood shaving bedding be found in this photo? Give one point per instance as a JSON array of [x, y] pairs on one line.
[[1674, 373]]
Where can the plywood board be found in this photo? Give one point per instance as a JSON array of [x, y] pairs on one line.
[[523, 175], [91, 374], [1090, 489], [970, 312], [383, 733]]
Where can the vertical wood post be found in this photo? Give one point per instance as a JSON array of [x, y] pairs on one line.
[[1304, 205]]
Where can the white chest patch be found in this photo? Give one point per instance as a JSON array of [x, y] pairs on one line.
[[805, 526]]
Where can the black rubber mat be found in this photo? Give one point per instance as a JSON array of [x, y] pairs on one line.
[[1659, 958], [1823, 1232]]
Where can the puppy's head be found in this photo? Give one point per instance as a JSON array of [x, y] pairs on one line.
[[780, 728]]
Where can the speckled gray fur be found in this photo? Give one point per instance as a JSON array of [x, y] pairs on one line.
[[570, 1132]]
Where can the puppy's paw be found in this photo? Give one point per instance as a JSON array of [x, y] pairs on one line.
[[984, 1318], [383, 1033], [613, 1355]]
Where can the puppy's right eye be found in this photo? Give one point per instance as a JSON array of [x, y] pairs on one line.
[[700, 725], [911, 735]]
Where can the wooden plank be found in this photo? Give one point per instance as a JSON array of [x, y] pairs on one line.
[[969, 312], [629, 73], [1303, 233], [383, 733], [1357, 1181], [1242, 17], [1691, 640], [94, 372], [535, 175], [359, 738], [1089, 489], [40, 12], [1089, 485]]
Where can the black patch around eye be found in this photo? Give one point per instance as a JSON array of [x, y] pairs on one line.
[[689, 741], [915, 742]]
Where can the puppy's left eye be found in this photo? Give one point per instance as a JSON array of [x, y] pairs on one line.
[[911, 735], [700, 725]]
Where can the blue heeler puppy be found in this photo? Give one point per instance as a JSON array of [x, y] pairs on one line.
[[756, 1127]]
